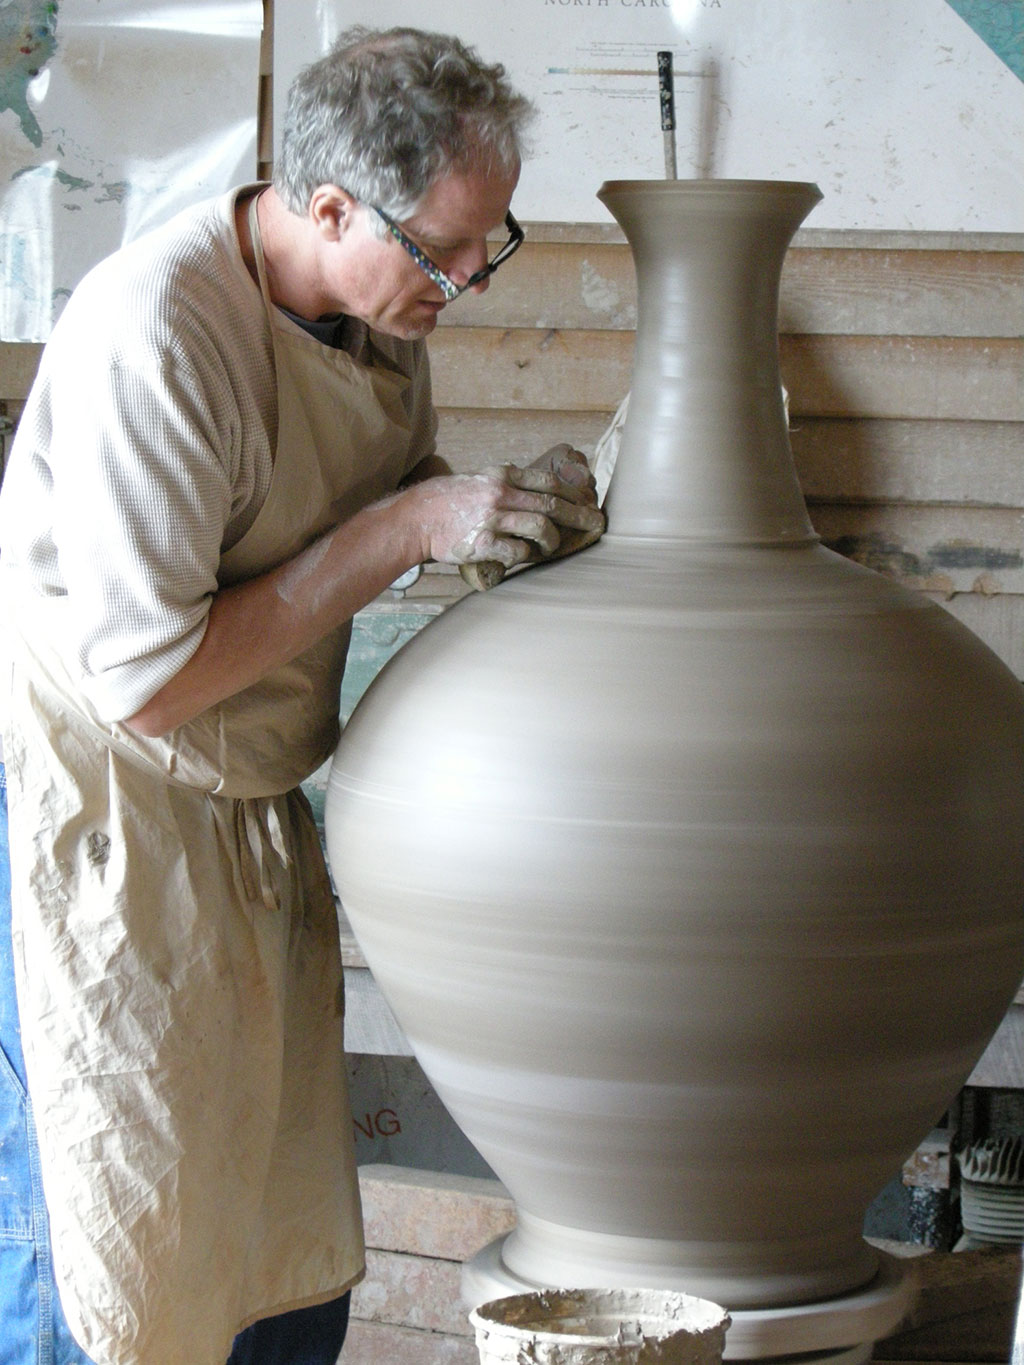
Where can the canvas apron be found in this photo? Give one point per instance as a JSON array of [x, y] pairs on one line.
[[179, 977]]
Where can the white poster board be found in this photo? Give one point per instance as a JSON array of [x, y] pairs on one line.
[[898, 109], [114, 115]]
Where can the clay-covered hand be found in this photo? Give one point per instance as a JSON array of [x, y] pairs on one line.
[[506, 514], [569, 465]]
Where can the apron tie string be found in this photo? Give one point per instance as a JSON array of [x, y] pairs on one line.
[[259, 828]]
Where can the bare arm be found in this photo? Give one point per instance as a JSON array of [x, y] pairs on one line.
[[256, 626]]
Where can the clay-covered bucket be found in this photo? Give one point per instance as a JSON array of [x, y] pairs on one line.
[[600, 1327]]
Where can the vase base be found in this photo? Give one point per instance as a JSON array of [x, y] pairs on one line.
[[836, 1331]]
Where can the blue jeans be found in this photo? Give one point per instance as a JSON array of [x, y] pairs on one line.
[[33, 1330]]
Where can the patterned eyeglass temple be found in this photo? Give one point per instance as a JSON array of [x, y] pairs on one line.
[[448, 287]]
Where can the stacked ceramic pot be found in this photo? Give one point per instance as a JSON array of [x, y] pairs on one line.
[[693, 865]]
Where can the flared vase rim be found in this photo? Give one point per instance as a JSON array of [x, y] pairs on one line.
[[805, 189]]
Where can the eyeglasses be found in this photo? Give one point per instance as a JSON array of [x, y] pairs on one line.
[[448, 287]]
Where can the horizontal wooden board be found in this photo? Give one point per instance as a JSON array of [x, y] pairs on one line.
[[871, 460], [923, 377], [998, 620], [818, 239], [940, 549], [837, 459], [828, 376], [590, 371], [472, 438], [549, 285], [490, 367], [914, 293], [861, 293]]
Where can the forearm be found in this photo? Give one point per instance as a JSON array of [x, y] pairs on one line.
[[265, 622], [256, 626]]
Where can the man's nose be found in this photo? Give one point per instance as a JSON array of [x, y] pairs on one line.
[[471, 260]]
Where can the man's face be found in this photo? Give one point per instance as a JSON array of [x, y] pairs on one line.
[[376, 279]]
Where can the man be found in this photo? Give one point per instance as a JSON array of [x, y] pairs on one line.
[[228, 451]]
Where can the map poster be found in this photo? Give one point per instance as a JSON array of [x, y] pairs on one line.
[[114, 115], [909, 114]]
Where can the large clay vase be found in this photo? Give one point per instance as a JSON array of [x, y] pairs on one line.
[[693, 865]]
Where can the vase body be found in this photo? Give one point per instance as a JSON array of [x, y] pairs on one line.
[[692, 865]]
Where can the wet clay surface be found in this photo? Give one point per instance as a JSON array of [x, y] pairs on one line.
[[691, 865]]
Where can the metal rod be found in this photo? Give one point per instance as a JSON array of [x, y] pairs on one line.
[[666, 99]]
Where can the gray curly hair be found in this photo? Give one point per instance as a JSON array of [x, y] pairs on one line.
[[386, 113]]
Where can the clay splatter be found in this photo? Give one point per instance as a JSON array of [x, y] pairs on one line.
[[28, 39], [604, 296]]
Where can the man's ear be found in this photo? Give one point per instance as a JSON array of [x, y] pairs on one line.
[[331, 210]]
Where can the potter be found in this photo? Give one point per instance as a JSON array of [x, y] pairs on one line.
[[724, 888], [228, 451]]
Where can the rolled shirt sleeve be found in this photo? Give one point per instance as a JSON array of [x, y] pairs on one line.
[[143, 453]]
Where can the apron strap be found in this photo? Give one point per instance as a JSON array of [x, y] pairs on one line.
[[258, 829]]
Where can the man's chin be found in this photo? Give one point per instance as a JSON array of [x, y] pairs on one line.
[[416, 328]]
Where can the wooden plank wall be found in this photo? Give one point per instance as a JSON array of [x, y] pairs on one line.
[[904, 360]]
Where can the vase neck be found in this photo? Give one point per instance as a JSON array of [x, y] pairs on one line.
[[705, 449]]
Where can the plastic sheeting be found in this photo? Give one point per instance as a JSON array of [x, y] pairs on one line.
[[114, 116]]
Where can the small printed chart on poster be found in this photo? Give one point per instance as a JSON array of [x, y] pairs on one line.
[[909, 114]]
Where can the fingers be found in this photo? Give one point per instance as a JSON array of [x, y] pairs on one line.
[[508, 514], [568, 464], [533, 480], [576, 472], [567, 504], [508, 537], [572, 479], [532, 526]]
